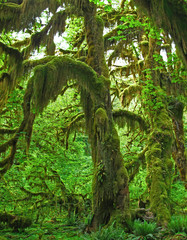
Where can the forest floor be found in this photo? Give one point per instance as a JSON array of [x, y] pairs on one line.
[[54, 231]]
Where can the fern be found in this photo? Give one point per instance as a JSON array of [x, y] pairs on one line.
[[178, 224], [110, 233], [144, 229]]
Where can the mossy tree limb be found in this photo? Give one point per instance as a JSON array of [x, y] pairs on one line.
[[56, 24]]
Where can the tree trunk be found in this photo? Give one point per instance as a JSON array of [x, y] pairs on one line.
[[159, 165], [158, 156], [110, 183], [178, 153]]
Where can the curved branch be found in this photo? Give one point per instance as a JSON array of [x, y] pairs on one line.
[[49, 79], [129, 117]]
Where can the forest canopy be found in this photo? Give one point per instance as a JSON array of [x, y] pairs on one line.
[[93, 119]]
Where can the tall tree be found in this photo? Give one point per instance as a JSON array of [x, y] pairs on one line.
[[110, 184]]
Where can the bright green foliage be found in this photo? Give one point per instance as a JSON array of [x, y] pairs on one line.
[[38, 184], [178, 224]]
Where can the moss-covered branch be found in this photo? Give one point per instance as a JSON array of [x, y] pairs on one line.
[[30, 64], [123, 117], [129, 93], [49, 79], [9, 14], [12, 52], [43, 194], [8, 79], [7, 162]]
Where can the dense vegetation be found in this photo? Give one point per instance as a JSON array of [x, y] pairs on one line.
[[92, 119]]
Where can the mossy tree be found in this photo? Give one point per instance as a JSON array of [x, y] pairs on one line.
[[155, 86], [50, 75]]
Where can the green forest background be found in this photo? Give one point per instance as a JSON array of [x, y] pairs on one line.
[[47, 167]]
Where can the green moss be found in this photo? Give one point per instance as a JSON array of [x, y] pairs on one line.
[[101, 123], [124, 117], [129, 93]]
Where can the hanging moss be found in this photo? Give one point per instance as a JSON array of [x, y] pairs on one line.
[[20, 16], [94, 35], [9, 79], [101, 123], [56, 24], [9, 13], [129, 93], [172, 18]]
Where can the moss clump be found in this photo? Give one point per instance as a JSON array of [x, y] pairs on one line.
[[100, 116]]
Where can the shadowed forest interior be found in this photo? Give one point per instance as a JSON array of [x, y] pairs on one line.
[[93, 119]]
